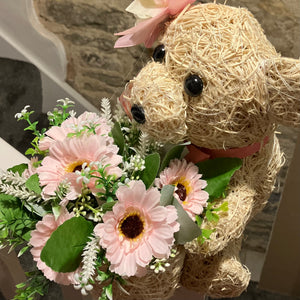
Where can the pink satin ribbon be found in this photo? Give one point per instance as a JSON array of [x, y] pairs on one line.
[[198, 154], [148, 31]]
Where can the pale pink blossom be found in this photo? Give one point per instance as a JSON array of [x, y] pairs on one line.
[[137, 229], [39, 238], [73, 124], [153, 15], [188, 185], [31, 167], [67, 156]]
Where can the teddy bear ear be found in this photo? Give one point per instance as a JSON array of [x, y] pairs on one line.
[[283, 85]]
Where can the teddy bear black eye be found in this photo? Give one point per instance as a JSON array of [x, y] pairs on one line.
[[159, 53], [193, 85]]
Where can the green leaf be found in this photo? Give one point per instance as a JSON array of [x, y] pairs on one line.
[[109, 292], [27, 235], [222, 207], [205, 235], [18, 168], [102, 276], [148, 175], [30, 151], [17, 220], [38, 209], [23, 250], [56, 210], [189, 230], [211, 217], [108, 206], [217, 173], [166, 195], [63, 250], [173, 153], [3, 232], [118, 137], [199, 220], [33, 184], [110, 199], [20, 285]]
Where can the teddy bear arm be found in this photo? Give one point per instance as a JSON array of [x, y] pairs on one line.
[[231, 224]]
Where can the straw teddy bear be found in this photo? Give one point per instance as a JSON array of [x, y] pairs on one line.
[[217, 82]]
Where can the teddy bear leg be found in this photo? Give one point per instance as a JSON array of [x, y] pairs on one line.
[[218, 276]]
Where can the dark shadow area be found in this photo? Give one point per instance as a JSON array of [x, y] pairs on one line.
[[20, 85]]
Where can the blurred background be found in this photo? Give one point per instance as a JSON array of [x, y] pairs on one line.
[[94, 69]]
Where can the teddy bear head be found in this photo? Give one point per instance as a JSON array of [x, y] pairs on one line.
[[214, 80]]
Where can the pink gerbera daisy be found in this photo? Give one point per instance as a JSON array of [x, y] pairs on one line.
[[68, 156], [39, 238], [137, 229], [72, 125], [188, 185]]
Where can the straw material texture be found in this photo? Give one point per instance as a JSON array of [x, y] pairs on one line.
[[153, 286], [248, 89], [217, 276]]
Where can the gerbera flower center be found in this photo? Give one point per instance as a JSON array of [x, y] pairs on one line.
[[182, 188], [181, 191], [74, 166], [132, 226]]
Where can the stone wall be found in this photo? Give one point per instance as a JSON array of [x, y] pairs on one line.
[[96, 70], [87, 28]]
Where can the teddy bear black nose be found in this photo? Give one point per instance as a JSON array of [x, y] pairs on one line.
[[138, 113], [193, 85]]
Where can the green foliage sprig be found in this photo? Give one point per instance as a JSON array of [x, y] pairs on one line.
[[61, 112], [16, 223], [35, 285]]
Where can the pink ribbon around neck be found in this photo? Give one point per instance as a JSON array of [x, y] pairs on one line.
[[198, 154], [148, 31]]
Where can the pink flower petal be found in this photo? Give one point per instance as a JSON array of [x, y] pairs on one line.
[[145, 254], [144, 32], [179, 171], [159, 246], [158, 214], [59, 133], [175, 6], [130, 252], [151, 199], [148, 31], [63, 156]]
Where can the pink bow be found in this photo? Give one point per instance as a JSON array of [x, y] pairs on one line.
[[148, 31]]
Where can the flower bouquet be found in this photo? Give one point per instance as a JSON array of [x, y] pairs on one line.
[[103, 207]]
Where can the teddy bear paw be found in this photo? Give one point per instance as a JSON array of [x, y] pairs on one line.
[[215, 276]]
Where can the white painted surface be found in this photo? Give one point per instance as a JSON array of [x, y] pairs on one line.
[[22, 37], [9, 156], [20, 27]]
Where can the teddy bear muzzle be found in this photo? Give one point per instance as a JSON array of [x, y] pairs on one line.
[[157, 103]]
